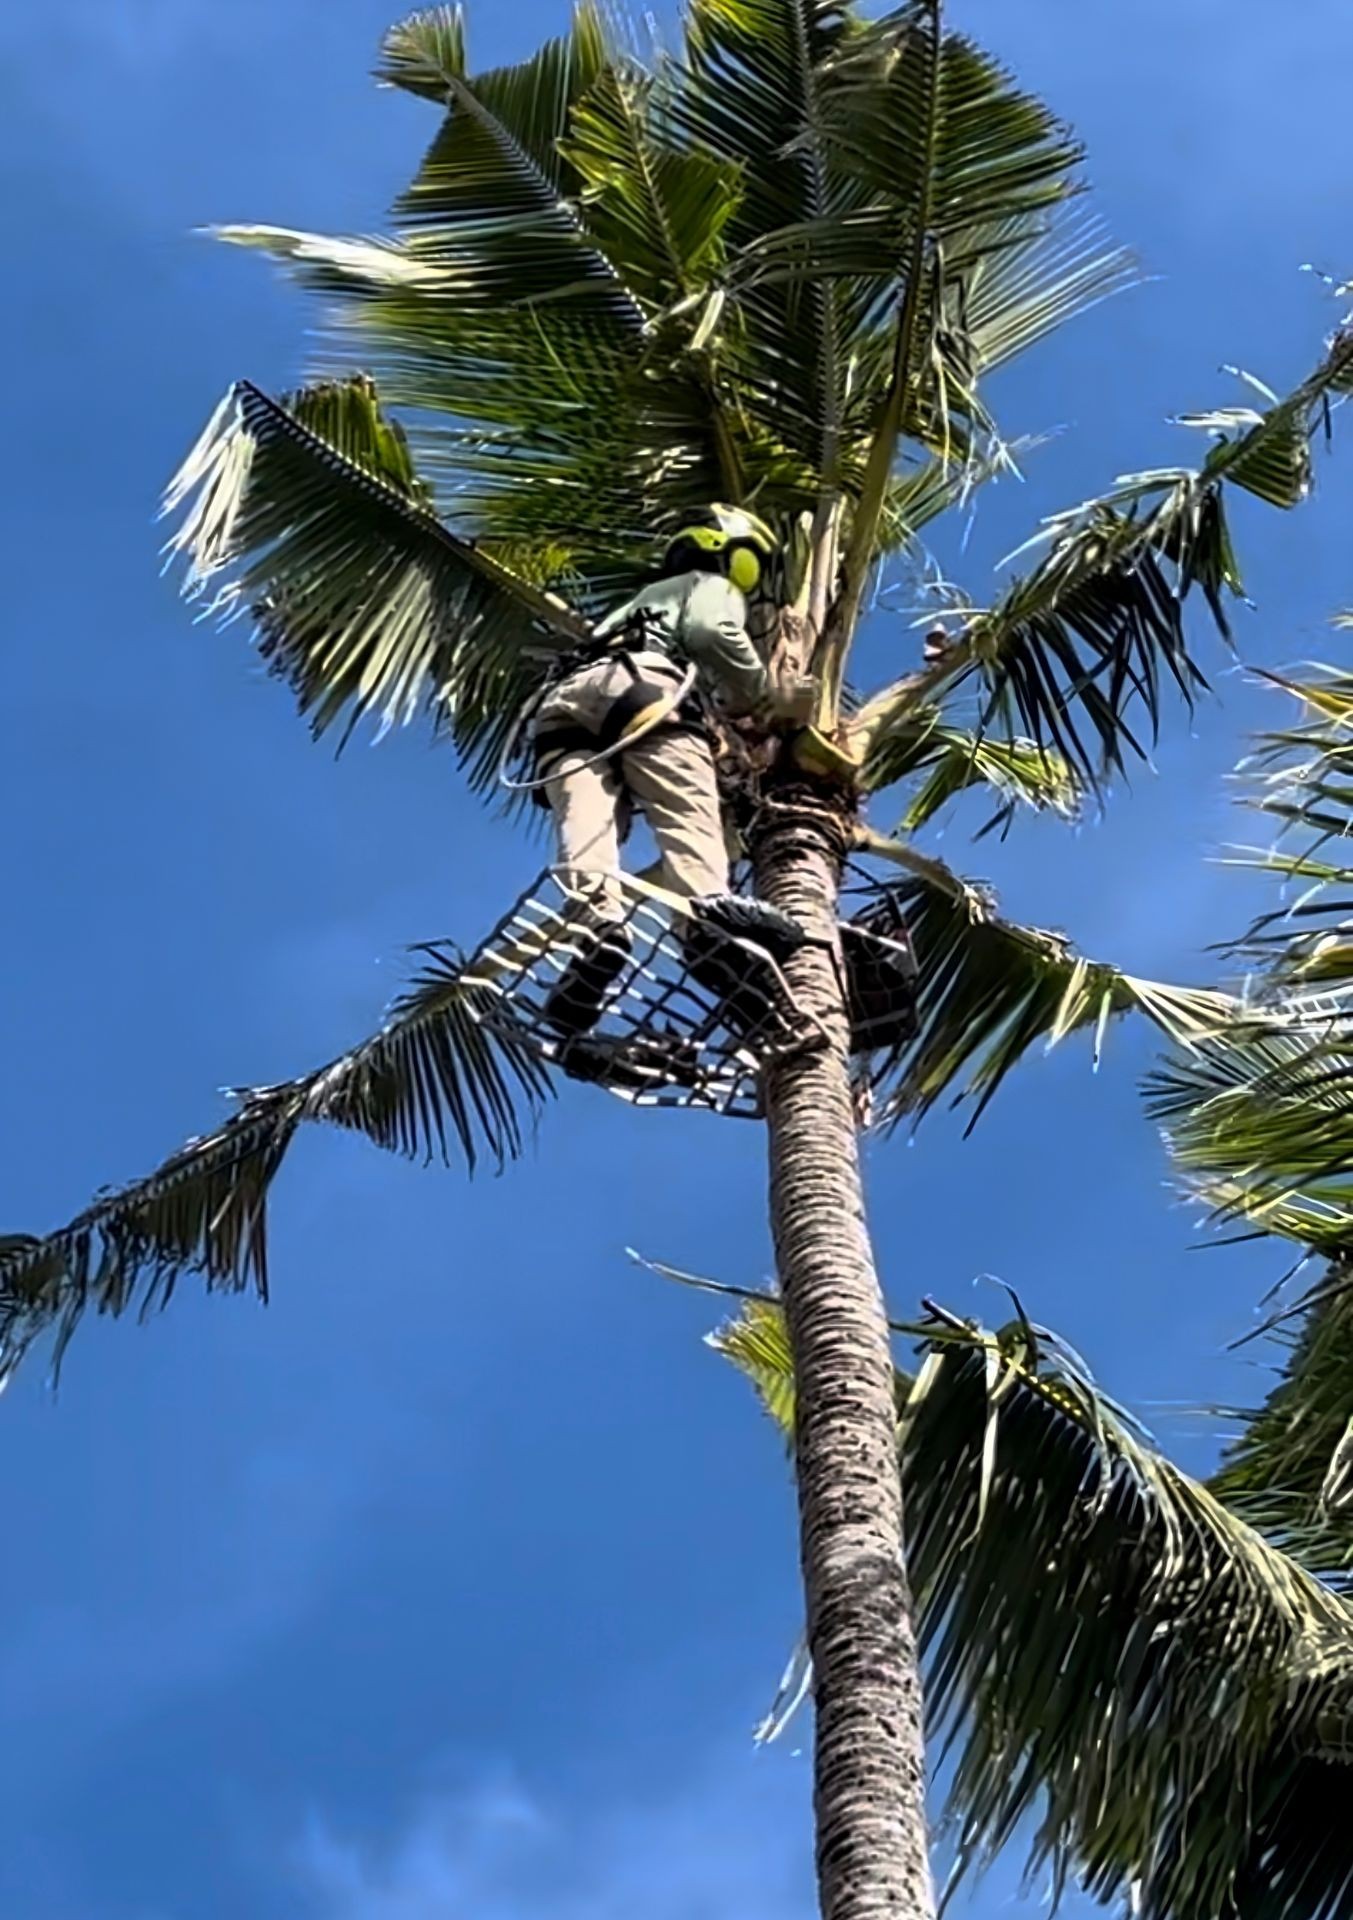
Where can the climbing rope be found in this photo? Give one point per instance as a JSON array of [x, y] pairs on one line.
[[659, 717]]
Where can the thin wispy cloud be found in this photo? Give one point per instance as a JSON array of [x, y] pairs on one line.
[[729, 1844]]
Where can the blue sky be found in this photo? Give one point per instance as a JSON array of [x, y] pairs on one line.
[[451, 1584]]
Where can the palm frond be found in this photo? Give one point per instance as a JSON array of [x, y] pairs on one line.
[[425, 53], [1301, 777], [1167, 1694], [964, 159], [613, 294], [954, 760], [659, 212], [1259, 1121], [309, 517], [1029, 276], [433, 1083], [989, 991], [1288, 1470], [500, 317], [751, 92], [1096, 629], [756, 1340], [1259, 1118], [354, 267], [493, 204], [1164, 1690]]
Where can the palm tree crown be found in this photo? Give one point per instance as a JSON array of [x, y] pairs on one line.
[[773, 267]]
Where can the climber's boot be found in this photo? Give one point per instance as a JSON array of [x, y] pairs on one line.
[[574, 1004]]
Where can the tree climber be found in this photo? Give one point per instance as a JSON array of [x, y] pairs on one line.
[[629, 726]]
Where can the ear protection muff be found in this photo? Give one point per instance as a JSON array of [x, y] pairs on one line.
[[743, 566], [730, 540]]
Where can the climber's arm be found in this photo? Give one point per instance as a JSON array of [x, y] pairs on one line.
[[714, 635]]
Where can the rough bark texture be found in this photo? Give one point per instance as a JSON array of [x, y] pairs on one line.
[[869, 1781]]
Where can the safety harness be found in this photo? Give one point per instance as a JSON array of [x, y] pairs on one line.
[[647, 706]]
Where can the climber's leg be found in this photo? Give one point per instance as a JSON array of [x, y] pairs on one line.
[[588, 804], [671, 775]]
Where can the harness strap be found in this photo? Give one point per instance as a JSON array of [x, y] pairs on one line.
[[552, 742], [639, 710]]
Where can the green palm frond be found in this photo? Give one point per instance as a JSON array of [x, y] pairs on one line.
[[1096, 629], [752, 92], [1163, 1691], [1288, 1471], [1030, 276], [501, 318], [1259, 1119], [425, 53], [309, 516], [989, 991], [757, 1342], [658, 211], [493, 204], [433, 1084], [925, 116], [1301, 777], [954, 760], [845, 258], [613, 295], [964, 160]]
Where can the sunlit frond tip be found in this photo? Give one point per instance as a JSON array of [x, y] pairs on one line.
[[309, 517]]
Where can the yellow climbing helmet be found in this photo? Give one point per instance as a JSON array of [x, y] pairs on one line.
[[726, 540]]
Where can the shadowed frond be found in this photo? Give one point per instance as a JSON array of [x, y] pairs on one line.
[[204, 1211], [433, 1083], [1163, 1691], [309, 517], [1289, 1472], [988, 991]]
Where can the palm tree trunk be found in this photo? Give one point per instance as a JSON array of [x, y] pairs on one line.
[[869, 1781]]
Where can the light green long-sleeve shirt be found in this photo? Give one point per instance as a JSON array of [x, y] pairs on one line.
[[700, 617]]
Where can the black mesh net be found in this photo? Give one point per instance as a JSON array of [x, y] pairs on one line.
[[614, 983]]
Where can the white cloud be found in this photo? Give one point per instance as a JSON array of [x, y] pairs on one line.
[[728, 1844]]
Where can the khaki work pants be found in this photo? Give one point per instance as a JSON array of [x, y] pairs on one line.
[[668, 775]]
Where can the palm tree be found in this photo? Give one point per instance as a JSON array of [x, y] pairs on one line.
[[1163, 1675], [772, 269]]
